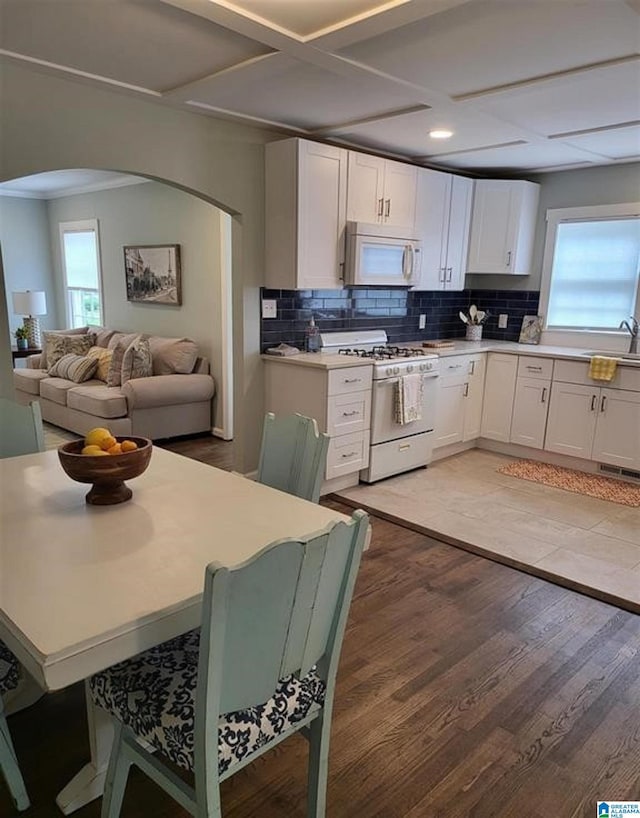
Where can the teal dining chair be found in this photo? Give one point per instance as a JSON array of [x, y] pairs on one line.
[[9, 680], [261, 667], [293, 455], [21, 430]]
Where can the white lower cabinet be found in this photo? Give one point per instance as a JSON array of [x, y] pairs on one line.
[[499, 389], [529, 418], [595, 423], [338, 399], [460, 393]]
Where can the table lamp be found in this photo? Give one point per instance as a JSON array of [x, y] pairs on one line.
[[30, 304]]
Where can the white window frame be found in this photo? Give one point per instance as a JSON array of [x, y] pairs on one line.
[[616, 340], [82, 226]]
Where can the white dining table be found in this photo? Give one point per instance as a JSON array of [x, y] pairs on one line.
[[83, 587]]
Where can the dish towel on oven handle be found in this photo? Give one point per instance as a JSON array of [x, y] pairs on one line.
[[408, 399]]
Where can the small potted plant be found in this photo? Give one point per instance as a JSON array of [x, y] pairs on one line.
[[22, 341]]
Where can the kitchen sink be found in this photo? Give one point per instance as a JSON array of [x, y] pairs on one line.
[[633, 357]]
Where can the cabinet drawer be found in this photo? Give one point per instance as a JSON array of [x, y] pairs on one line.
[[530, 367], [348, 413], [349, 379], [347, 453]]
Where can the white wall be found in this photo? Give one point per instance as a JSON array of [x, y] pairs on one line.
[[607, 184], [50, 123], [26, 255], [153, 213]]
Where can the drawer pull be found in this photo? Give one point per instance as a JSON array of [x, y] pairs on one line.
[[544, 394], [348, 454], [472, 368], [350, 414], [404, 447], [454, 366], [534, 368], [465, 394], [352, 380]]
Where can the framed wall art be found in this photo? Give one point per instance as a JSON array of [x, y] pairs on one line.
[[531, 330], [153, 274]]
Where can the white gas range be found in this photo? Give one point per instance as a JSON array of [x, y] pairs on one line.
[[395, 446]]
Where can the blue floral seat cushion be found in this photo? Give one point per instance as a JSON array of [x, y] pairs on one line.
[[154, 695], [9, 669]]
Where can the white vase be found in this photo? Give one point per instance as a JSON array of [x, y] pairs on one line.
[[474, 332]]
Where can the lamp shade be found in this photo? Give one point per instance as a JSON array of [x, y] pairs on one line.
[[31, 302]]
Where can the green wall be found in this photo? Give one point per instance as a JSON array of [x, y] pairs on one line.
[[50, 123]]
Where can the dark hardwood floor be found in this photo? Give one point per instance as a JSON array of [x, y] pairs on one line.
[[205, 448], [466, 688]]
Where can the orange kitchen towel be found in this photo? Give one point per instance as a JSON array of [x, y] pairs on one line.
[[408, 399], [602, 368]]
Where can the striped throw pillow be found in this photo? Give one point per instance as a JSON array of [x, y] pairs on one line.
[[76, 368]]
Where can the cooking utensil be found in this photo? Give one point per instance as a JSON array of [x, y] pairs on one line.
[[480, 316], [473, 312], [463, 317]]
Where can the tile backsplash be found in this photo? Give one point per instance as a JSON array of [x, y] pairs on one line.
[[395, 310]]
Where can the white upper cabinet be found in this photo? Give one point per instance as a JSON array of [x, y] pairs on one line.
[[381, 191], [443, 213], [503, 225], [306, 201]]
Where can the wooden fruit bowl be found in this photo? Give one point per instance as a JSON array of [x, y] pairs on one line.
[[107, 474]]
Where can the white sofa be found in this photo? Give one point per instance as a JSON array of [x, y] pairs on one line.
[[175, 400]]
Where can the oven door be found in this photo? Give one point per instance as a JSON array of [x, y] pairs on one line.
[[384, 427]]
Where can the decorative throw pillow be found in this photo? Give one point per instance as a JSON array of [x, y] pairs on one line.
[[136, 362], [76, 368], [55, 332], [103, 357], [114, 375], [59, 345]]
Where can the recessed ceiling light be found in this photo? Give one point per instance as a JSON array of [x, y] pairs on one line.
[[441, 133]]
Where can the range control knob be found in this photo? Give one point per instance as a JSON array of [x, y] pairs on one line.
[[423, 367], [388, 371], [396, 370], [409, 368], [428, 366]]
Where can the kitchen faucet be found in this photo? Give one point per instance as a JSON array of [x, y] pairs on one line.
[[632, 329]]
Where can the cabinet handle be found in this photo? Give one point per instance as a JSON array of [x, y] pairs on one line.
[[387, 212], [509, 259], [341, 271], [348, 454], [352, 380], [443, 277], [534, 368], [350, 414], [603, 403], [593, 403], [472, 367], [544, 394], [450, 273], [380, 207], [465, 394], [454, 366]]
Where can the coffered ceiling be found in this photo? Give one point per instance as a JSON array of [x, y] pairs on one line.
[[525, 85]]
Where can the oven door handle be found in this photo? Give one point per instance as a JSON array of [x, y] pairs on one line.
[[389, 381]]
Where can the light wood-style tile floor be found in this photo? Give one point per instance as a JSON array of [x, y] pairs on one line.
[[581, 542]]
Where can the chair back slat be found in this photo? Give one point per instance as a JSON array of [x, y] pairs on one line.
[[261, 597], [21, 429], [293, 455]]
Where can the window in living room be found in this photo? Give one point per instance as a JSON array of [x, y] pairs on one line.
[[82, 279]]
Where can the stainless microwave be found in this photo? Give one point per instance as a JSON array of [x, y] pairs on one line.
[[378, 254]]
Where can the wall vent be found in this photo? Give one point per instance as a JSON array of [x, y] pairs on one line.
[[625, 474]]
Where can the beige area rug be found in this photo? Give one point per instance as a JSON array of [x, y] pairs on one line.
[[604, 488]]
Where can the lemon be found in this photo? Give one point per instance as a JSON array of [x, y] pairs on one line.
[[94, 437], [91, 449], [129, 445]]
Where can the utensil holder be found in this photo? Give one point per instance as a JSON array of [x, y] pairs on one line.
[[474, 332]]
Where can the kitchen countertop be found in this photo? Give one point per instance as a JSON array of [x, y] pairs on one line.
[[328, 360]]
